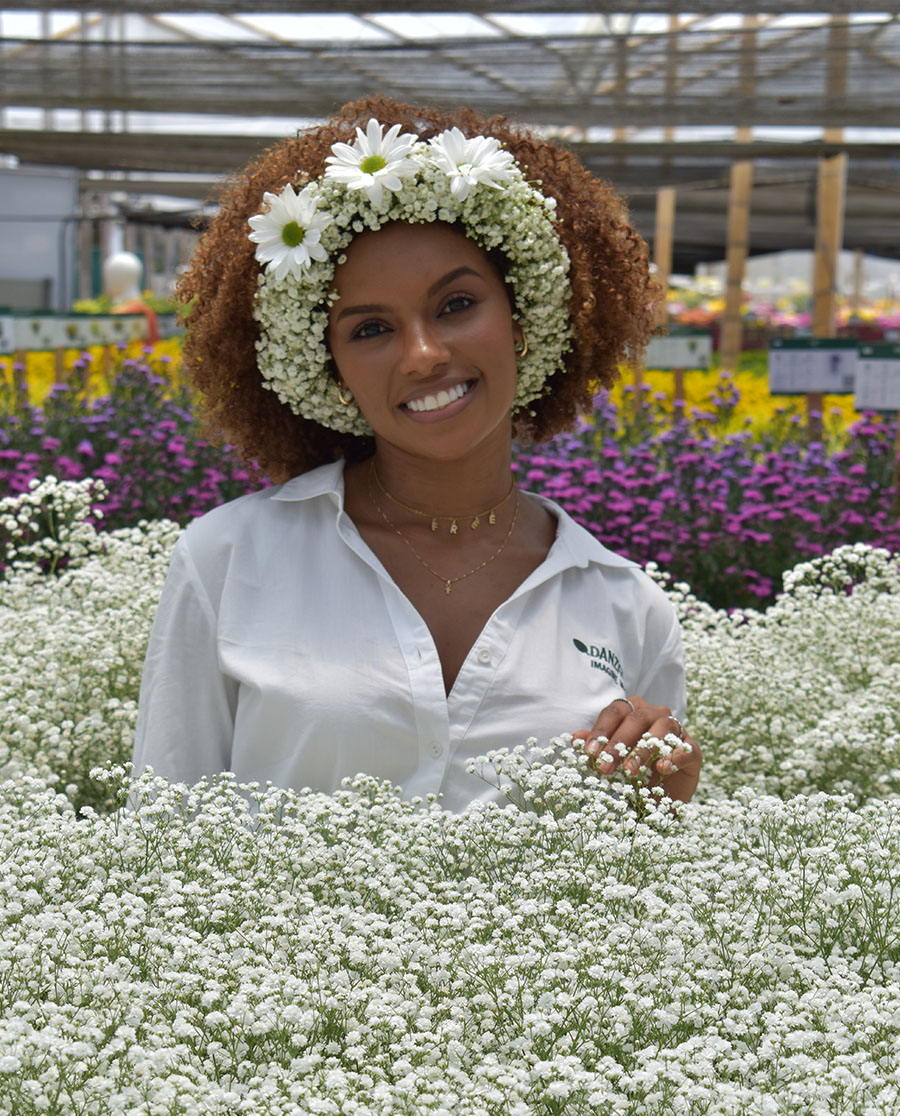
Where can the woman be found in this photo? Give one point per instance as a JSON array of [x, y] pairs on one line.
[[379, 305]]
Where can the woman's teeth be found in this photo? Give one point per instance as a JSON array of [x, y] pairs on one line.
[[442, 399]]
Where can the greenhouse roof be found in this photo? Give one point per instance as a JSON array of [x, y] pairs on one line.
[[127, 92]]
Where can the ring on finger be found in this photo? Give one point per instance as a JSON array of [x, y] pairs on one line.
[[627, 701], [680, 726]]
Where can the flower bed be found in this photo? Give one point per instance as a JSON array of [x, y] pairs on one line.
[[217, 949], [350, 954], [725, 512], [141, 439], [726, 493]]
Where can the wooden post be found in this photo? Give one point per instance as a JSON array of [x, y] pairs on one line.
[[665, 198], [830, 231], [678, 391], [857, 283], [741, 184], [662, 240], [663, 231], [736, 261], [20, 377], [830, 193], [662, 258]]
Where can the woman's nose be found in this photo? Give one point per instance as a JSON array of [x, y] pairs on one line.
[[424, 349]]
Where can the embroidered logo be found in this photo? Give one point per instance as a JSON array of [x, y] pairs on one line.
[[603, 658]]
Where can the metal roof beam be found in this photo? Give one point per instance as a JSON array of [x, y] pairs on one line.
[[413, 7]]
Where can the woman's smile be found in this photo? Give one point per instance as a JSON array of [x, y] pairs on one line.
[[438, 403]]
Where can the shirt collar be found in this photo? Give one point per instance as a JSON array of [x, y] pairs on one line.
[[325, 480], [571, 539]]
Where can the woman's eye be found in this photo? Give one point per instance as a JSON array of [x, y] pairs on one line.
[[367, 329], [455, 303]]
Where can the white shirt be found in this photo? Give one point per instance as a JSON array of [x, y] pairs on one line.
[[282, 650]]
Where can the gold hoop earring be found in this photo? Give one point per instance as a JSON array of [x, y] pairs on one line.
[[346, 402], [521, 352]]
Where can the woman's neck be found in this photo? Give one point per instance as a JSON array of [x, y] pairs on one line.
[[444, 488]]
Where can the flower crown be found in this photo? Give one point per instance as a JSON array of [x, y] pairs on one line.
[[301, 236]]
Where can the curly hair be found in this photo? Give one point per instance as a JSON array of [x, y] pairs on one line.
[[613, 299]]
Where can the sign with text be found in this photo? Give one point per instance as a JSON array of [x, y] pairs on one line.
[[878, 378], [798, 366], [679, 350]]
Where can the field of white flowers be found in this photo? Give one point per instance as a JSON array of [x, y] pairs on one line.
[[222, 949]]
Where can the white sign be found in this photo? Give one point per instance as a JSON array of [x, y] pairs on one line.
[[38, 332], [680, 351], [878, 378], [29, 332], [816, 365], [77, 331]]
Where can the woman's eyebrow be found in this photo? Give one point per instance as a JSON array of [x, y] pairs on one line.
[[450, 276], [372, 308], [378, 308]]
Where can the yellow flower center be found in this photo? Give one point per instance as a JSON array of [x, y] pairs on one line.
[[292, 234], [372, 163]]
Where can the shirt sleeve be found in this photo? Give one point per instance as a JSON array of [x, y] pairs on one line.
[[661, 680], [186, 706]]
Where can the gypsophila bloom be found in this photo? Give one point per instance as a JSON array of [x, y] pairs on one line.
[[218, 948], [75, 613], [221, 947], [806, 695], [288, 233], [417, 183]]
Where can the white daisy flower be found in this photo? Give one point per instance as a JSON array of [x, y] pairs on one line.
[[287, 232], [469, 160], [375, 162]]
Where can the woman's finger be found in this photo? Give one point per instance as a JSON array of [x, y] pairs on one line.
[[680, 771], [622, 724]]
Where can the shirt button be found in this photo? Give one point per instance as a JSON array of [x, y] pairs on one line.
[[484, 656], [436, 749]]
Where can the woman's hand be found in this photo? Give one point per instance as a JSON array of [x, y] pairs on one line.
[[623, 722]]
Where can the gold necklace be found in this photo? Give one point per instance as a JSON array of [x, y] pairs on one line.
[[449, 582], [491, 513]]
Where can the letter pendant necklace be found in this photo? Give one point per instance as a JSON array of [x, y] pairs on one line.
[[491, 513], [449, 582]]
